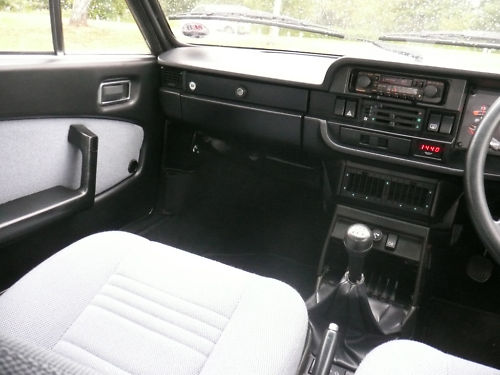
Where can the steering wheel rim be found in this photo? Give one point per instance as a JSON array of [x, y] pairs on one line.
[[487, 228]]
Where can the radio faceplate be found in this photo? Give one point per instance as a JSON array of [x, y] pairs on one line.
[[402, 87]]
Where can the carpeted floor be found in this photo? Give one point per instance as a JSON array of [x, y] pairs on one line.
[[462, 331], [250, 219]]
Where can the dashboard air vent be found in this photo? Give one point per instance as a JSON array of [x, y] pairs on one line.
[[392, 115], [363, 184], [409, 194], [171, 78], [389, 191]]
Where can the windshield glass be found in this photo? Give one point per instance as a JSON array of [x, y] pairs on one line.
[[463, 33]]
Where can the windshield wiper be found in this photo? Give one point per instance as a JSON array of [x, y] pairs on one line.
[[260, 18], [476, 39], [393, 50]]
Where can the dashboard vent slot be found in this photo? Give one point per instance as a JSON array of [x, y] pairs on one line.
[[363, 184], [409, 195], [392, 115], [387, 190], [171, 78]]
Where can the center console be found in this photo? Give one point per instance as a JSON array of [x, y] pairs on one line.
[[419, 120]]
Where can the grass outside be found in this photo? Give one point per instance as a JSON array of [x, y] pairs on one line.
[[31, 32], [25, 32]]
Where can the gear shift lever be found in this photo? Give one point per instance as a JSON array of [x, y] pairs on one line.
[[358, 241], [365, 322]]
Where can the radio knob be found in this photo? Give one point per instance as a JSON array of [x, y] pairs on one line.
[[430, 91], [363, 81]]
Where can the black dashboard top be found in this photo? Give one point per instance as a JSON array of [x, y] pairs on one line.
[[300, 69], [284, 67]]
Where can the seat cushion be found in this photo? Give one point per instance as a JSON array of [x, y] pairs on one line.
[[120, 304], [405, 357]]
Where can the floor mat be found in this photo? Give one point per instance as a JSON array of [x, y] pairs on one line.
[[249, 219], [298, 275], [462, 331]]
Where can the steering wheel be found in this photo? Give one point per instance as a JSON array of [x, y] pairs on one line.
[[487, 228]]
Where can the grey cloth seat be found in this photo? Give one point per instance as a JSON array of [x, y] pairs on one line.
[[405, 357], [117, 303]]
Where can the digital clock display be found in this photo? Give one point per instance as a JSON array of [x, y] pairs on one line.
[[430, 148], [433, 150]]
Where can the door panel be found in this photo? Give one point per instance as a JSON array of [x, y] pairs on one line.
[[36, 154], [40, 99]]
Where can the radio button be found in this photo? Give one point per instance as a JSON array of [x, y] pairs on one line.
[[430, 91], [363, 81], [434, 123]]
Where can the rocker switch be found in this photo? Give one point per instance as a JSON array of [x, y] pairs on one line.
[[339, 107], [391, 242], [350, 109], [434, 123]]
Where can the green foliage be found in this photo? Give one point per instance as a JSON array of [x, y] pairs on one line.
[[23, 5], [174, 6], [430, 15], [107, 9], [103, 9], [487, 17], [357, 18]]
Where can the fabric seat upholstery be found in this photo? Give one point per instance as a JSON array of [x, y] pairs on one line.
[[405, 357], [120, 304]]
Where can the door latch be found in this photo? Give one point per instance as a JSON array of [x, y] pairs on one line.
[[112, 92]]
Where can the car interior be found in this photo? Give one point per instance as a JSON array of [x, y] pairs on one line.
[[212, 209]]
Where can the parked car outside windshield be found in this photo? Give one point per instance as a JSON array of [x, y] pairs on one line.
[[230, 27]]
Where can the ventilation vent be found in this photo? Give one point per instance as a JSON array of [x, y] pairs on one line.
[[409, 194], [393, 116], [391, 191], [171, 78], [364, 185]]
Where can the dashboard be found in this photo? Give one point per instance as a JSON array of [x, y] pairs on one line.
[[361, 110]]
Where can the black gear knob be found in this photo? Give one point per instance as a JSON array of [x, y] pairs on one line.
[[358, 241]]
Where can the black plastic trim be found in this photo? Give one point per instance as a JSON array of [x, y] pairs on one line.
[[331, 143], [57, 27], [24, 214], [149, 26], [418, 232], [247, 122], [262, 94]]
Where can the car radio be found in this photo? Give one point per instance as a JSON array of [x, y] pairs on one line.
[[408, 88]]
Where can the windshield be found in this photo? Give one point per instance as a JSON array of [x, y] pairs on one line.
[[464, 33]]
